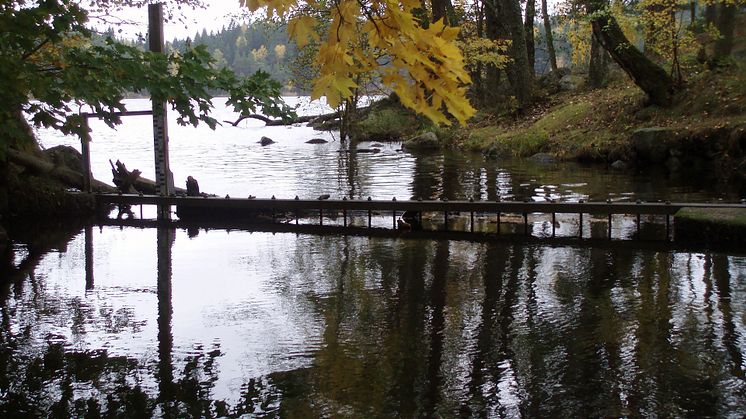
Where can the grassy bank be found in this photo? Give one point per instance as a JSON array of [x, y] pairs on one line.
[[590, 125], [598, 125]]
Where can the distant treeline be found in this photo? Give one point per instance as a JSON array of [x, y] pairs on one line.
[[246, 48]]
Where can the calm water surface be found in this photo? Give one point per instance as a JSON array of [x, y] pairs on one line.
[[165, 322]]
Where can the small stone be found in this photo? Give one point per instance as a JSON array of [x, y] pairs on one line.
[[266, 141], [619, 165]]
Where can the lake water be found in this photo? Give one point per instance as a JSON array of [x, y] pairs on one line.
[[168, 322]]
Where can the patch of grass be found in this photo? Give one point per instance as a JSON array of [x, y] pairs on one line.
[[576, 128], [724, 216]]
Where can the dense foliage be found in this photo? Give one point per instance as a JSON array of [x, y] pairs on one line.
[[50, 71]]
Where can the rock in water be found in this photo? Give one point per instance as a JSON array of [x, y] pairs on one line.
[[192, 186], [653, 144], [543, 158], [426, 141], [266, 141], [324, 196], [317, 141]]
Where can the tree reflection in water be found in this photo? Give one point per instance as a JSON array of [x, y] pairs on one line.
[[407, 328]]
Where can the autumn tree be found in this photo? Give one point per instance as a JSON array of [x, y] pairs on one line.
[[549, 38], [423, 65], [649, 76], [528, 29], [504, 21]]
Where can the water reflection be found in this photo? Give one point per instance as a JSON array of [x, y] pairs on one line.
[[229, 323]]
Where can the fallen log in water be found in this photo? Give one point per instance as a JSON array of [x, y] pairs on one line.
[[131, 181], [278, 122], [311, 119], [43, 167]]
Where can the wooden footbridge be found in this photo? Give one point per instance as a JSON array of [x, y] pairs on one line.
[[228, 211]]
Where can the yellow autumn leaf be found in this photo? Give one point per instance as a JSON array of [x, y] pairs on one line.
[[302, 30]]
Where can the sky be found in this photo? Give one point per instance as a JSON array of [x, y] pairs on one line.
[[218, 14]]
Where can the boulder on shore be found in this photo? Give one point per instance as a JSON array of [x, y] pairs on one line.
[[571, 82], [653, 144], [266, 141], [66, 156], [316, 141], [426, 141]]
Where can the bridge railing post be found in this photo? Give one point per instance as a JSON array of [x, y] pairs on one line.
[[85, 148]]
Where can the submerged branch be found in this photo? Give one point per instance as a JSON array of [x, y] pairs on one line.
[[312, 119]]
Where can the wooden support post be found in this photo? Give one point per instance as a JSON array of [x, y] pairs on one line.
[[321, 217], [85, 148], [89, 257], [498, 222], [525, 224], [344, 216], [668, 227], [609, 235], [370, 216], [580, 228], [394, 219], [638, 225], [554, 221], [445, 225], [164, 177], [471, 223]]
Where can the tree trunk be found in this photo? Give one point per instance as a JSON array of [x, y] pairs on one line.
[[647, 75], [494, 30], [726, 22], [528, 29], [508, 20], [3, 184], [440, 10], [598, 68], [476, 73], [550, 38]]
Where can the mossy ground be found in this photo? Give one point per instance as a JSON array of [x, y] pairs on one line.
[[734, 217], [717, 226], [597, 125]]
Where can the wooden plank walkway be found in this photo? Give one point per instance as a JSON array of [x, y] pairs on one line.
[[233, 209], [493, 207]]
